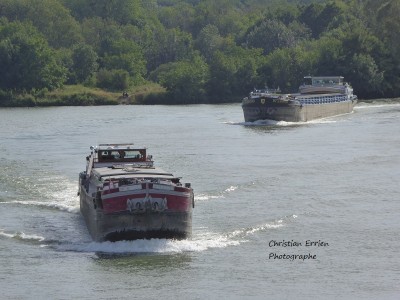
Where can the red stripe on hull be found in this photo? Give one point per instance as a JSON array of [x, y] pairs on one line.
[[174, 203]]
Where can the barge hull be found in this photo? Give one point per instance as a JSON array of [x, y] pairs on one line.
[[295, 113], [128, 225]]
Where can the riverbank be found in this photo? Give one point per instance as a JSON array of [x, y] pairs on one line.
[[379, 100], [79, 95]]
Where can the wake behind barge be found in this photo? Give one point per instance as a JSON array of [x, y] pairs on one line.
[[318, 97], [123, 196]]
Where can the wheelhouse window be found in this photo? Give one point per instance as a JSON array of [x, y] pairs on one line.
[[122, 155]]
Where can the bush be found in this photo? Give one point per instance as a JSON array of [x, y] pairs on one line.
[[11, 99], [90, 99], [113, 79], [155, 98], [24, 100], [4, 97]]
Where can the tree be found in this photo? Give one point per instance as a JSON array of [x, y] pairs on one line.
[[199, 49], [184, 80], [273, 34], [113, 79], [223, 14], [382, 17], [181, 16], [365, 76], [362, 57], [100, 34], [233, 72], [84, 63], [388, 23], [26, 61], [50, 17], [123, 12], [125, 55], [318, 17], [167, 46], [285, 68], [209, 41]]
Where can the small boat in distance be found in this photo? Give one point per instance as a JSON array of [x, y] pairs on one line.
[[123, 196], [318, 97]]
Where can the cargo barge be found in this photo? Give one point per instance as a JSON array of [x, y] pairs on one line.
[[123, 196], [318, 97]]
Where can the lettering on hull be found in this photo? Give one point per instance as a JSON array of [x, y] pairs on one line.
[[146, 204]]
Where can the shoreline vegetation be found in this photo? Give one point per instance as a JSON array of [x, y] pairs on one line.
[[148, 94], [79, 95], [191, 52]]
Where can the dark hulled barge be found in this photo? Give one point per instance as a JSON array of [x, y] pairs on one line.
[[123, 196], [318, 97]]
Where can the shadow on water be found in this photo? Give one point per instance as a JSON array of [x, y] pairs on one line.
[[143, 261]]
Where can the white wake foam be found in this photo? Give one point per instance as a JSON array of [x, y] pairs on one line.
[[72, 208], [153, 246], [259, 123], [231, 188], [62, 195], [202, 241], [215, 195], [362, 105], [281, 123], [202, 197], [22, 236], [52, 191], [263, 227]]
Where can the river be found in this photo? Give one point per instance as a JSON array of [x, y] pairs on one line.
[[283, 210]]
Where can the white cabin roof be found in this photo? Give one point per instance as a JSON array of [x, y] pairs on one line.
[[117, 146], [132, 172]]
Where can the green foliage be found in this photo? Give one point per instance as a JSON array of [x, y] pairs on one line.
[[121, 11], [283, 67], [50, 17], [125, 55], [209, 41], [85, 99], [184, 80], [167, 46], [100, 33], [274, 34], [180, 15], [365, 74], [26, 61], [200, 51], [233, 72], [113, 79], [318, 17], [84, 63]]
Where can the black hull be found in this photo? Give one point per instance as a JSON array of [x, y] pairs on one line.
[[130, 235]]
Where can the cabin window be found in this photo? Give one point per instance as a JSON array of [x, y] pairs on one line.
[[109, 155], [135, 154], [307, 80], [122, 155], [325, 81]]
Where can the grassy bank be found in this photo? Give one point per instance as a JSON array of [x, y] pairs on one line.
[[79, 95], [380, 101]]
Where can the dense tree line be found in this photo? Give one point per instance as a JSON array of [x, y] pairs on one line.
[[200, 51]]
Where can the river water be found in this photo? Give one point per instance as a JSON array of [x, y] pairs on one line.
[[283, 210]]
